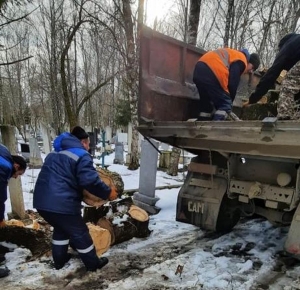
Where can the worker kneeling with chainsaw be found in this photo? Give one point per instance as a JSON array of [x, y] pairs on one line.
[[58, 195]]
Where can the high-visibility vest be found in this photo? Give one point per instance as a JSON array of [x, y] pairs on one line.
[[219, 62]]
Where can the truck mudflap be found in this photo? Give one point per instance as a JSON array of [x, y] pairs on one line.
[[202, 201], [292, 244]]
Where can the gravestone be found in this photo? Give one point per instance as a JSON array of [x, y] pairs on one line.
[[46, 138], [108, 134], [122, 138], [35, 159], [119, 153], [25, 151], [146, 198], [14, 184]]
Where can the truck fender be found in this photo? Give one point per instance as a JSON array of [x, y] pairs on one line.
[[292, 243], [199, 201]]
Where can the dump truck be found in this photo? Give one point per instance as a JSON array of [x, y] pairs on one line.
[[240, 169]]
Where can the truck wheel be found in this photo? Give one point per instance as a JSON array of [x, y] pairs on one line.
[[229, 215]]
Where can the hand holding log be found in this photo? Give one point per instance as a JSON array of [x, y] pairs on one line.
[[111, 179]]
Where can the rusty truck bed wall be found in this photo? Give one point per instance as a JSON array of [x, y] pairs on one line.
[[167, 92], [168, 98]]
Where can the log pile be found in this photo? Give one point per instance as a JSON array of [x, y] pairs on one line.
[[122, 219], [266, 107], [109, 223]]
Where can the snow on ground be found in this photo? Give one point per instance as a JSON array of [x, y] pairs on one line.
[[245, 259]]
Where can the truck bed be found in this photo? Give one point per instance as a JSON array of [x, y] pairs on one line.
[[168, 98], [260, 138]]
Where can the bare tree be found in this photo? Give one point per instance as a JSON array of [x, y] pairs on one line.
[[229, 21], [193, 21]]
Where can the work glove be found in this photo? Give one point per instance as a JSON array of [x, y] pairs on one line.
[[246, 104], [113, 193], [2, 224]]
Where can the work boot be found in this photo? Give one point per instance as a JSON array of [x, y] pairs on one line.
[[59, 266], [2, 259], [4, 272], [102, 262]]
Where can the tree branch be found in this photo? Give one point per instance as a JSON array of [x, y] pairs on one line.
[[16, 61], [91, 93], [17, 19]]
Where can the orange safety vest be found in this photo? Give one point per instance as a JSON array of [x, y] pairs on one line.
[[219, 62]]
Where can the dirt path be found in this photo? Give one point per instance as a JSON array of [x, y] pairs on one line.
[[133, 260], [124, 264]]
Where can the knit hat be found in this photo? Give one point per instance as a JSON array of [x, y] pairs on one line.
[[254, 60], [79, 133]]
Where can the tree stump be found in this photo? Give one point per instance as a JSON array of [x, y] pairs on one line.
[[121, 218]]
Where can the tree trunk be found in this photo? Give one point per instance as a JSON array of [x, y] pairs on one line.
[[193, 21], [173, 168], [132, 66], [229, 21]]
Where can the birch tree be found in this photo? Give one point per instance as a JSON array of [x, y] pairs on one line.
[[193, 21]]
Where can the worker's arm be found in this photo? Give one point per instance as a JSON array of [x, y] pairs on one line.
[[89, 179], [235, 71], [268, 80]]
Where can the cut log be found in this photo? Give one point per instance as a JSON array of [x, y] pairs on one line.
[[121, 218], [32, 233], [106, 224], [266, 107], [37, 241], [93, 214], [14, 222], [101, 238], [92, 200], [110, 178], [138, 213]]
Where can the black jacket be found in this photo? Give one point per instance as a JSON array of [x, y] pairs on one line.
[[286, 58]]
